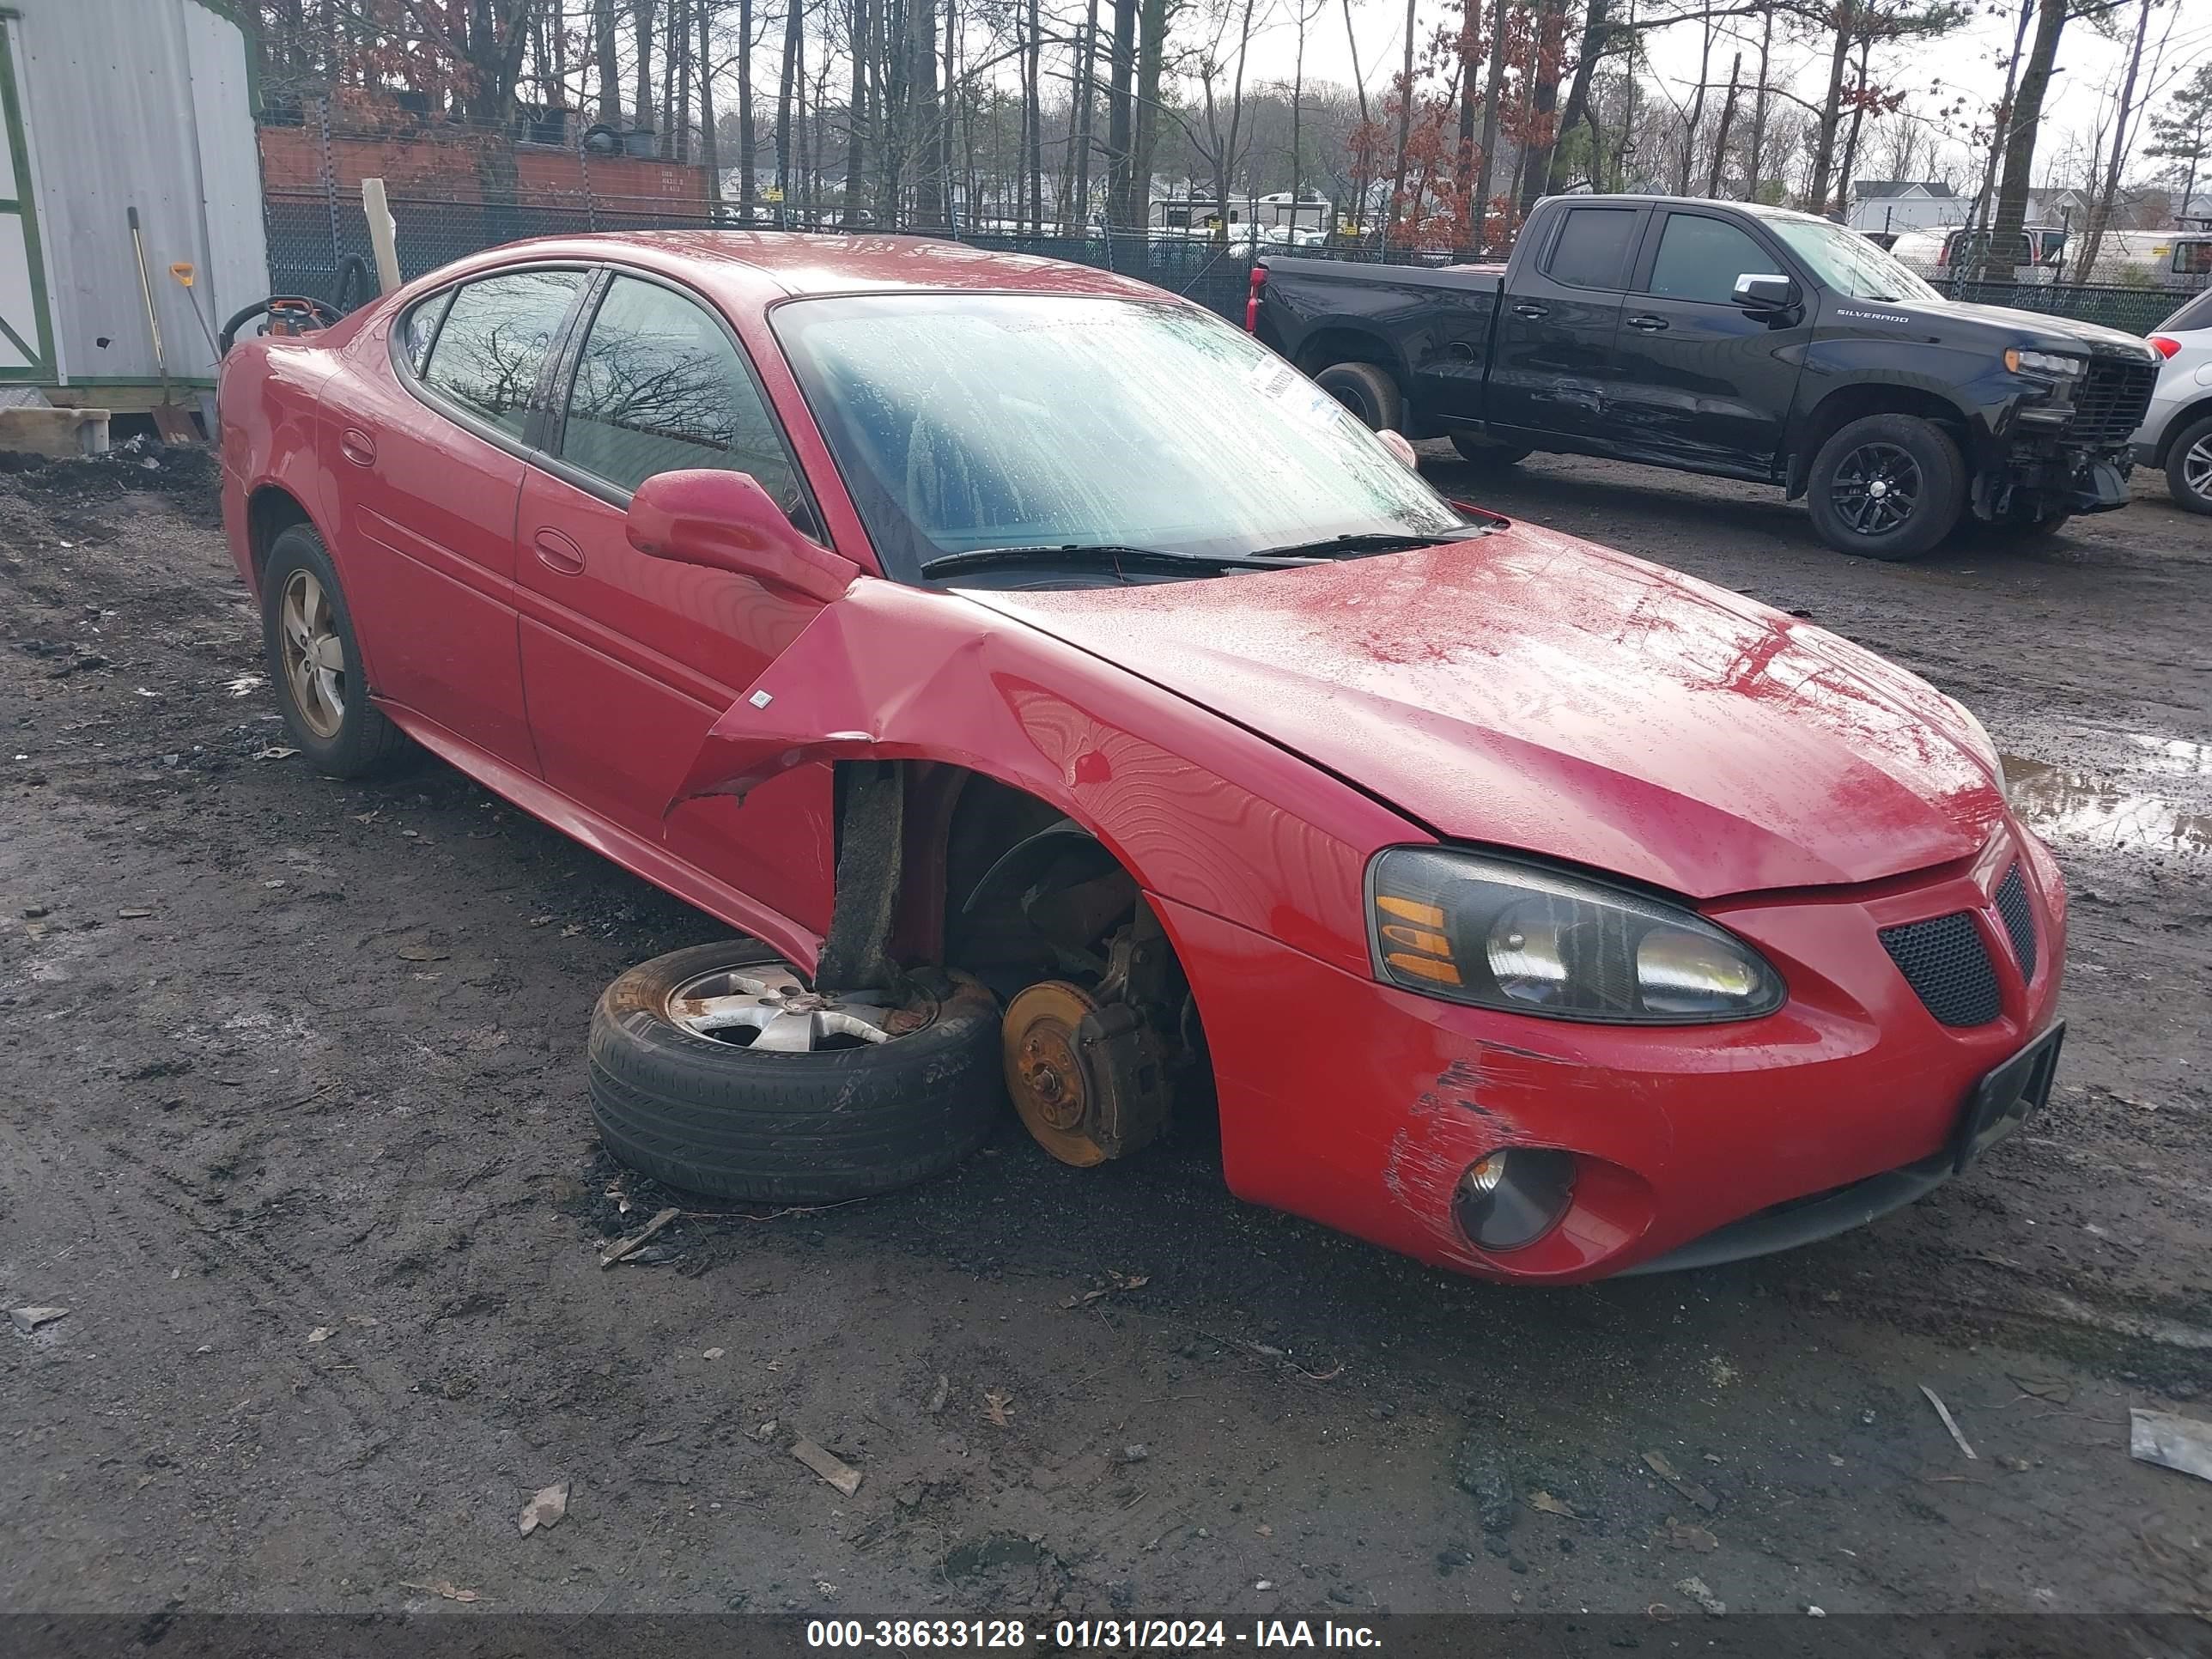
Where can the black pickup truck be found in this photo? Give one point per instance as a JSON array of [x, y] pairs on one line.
[[1749, 342]]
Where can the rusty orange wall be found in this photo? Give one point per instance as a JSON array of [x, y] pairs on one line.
[[291, 159]]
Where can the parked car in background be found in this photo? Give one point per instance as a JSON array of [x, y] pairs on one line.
[[973, 630], [2176, 433], [1751, 342]]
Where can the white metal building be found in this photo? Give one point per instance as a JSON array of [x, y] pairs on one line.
[[109, 105]]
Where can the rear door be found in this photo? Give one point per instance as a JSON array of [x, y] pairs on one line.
[[1552, 370], [425, 449], [628, 660], [1700, 381]]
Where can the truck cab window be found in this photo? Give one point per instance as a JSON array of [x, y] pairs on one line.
[[1700, 259], [1592, 247]]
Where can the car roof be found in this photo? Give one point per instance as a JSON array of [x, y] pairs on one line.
[[759, 267]]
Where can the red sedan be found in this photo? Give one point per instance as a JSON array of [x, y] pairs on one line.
[[1053, 685]]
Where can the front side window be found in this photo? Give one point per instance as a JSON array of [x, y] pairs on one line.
[[1593, 247], [494, 343], [1700, 259], [660, 386], [1033, 422], [1846, 263]]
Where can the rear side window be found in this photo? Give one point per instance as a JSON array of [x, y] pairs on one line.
[[660, 386], [2192, 259], [1592, 248], [421, 328], [2197, 314], [1700, 259], [496, 334]]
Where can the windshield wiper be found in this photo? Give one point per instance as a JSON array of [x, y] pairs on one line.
[[1369, 543], [1105, 553]]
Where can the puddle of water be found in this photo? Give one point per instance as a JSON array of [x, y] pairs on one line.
[[2082, 806]]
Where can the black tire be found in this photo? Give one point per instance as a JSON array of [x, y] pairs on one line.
[[712, 1117], [1486, 453], [2196, 498], [1869, 467], [1368, 392], [361, 739]]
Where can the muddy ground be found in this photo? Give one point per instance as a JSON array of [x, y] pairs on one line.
[[293, 1122]]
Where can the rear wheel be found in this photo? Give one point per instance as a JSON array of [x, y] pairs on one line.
[[1367, 391], [314, 661], [2189, 467], [1487, 453], [1888, 487]]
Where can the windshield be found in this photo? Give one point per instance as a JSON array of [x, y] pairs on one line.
[[969, 421], [1846, 262]]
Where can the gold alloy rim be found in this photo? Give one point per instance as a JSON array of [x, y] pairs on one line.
[[314, 654]]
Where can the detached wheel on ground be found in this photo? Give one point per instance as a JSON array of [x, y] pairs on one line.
[[1367, 391], [719, 1071], [1888, 487], [2189, 467], [315, 661], [1487, 453]]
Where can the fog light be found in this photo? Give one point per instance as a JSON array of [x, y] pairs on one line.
[[1513, 1197]]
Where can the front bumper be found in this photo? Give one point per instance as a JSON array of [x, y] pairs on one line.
[[1360, 1106]]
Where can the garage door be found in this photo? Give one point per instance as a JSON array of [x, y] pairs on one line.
[[27, 349]]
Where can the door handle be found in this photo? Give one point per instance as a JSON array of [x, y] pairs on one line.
[[358, 447], [1531, 310], [1648, 325], [1460, 351], [557, 553]]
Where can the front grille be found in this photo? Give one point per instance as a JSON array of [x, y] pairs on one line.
[[2019, 920], [2110, 401], [1948, 966]]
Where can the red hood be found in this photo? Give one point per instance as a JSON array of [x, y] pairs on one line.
[[1530, 690]]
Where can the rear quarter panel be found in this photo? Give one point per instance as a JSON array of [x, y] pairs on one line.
[[269, 403]]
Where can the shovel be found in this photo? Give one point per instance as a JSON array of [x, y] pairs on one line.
[[171, 419]]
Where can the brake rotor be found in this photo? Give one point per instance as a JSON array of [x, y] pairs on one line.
[[1045, 1074]]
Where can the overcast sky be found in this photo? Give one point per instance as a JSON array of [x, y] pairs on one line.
[[1934, 74]]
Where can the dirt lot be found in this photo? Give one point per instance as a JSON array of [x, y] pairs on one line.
[[293, 1122]]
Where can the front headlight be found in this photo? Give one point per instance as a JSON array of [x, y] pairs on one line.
[[2051, 365], [1499, 933]]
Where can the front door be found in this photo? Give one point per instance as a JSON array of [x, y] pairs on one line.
[[1701, 381], [426, 478], [1551, 371], [627, 660]]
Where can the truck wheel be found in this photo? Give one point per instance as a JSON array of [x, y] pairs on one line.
[[1367, 391], [719, 1071], [1488, 453], [1888, 487], [2189, 467]]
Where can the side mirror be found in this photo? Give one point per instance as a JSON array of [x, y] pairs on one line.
[[1760, 292], [726, 521]]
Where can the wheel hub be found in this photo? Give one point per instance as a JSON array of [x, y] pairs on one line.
[[1046, 1074]]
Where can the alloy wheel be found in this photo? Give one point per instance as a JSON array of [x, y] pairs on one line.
[[1877, 488], [766, 1007], [314, 654], [2196, 469]]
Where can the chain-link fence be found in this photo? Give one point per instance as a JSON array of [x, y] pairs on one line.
[[318, 245]]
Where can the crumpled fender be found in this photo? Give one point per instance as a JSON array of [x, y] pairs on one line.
[[872, 676], [1193, 806]]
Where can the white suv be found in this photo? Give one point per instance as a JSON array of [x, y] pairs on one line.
[[2177, 432]]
